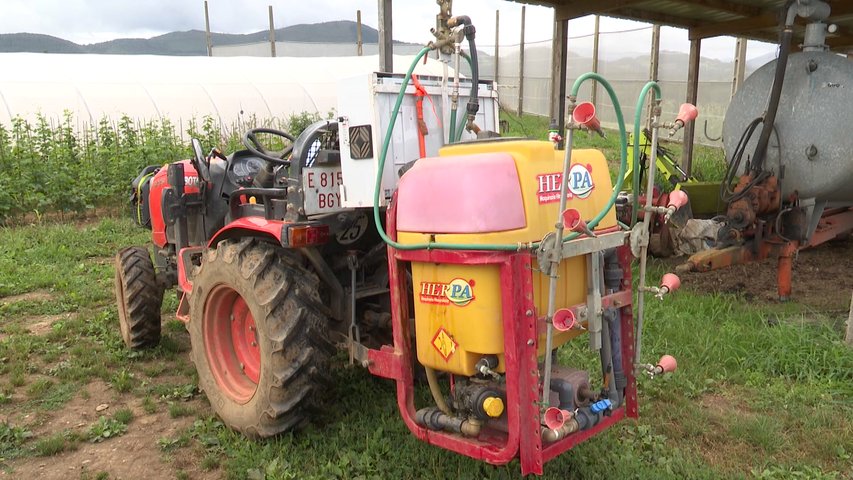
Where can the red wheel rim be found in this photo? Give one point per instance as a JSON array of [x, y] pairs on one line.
[[231, 341]]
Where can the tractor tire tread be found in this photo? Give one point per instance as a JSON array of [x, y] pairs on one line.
[[139, 298], [286, 304]]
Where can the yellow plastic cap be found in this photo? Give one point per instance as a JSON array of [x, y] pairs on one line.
[[493, 406]]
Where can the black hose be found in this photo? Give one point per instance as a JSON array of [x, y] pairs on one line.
[[726, 194], [613, 277], [775, 92], [473, 102]]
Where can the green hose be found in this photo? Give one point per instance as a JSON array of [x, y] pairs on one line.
[[452, 126], [638, 113], [489, 247], [623, 144], [460, 129], [457, 130]]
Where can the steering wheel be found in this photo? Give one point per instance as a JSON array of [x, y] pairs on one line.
[[252, 144]]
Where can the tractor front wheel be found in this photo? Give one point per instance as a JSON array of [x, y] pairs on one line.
[[139, 298], [257, 335]]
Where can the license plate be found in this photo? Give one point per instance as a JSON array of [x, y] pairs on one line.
[[322, 189]]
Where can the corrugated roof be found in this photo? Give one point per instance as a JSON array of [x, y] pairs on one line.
[[755, 19]]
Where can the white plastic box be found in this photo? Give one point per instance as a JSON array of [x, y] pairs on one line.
[[368, 100]]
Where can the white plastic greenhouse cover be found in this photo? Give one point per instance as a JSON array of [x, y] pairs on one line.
[[147, 87]]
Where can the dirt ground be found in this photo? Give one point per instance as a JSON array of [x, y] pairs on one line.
[[822, 278], [136, 454]]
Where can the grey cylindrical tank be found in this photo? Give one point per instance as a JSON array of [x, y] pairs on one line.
[[814, 125]]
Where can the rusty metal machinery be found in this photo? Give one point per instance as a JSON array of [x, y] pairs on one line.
[[787, 141]]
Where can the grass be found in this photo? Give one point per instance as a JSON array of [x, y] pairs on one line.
[[55, 444], [106, 427], [752, 398]]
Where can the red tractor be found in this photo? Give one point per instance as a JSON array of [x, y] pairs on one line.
[[450, 264], [227, 224]]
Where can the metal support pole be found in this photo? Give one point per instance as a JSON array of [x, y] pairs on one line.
[[497, 42], [386, 51], [521, 64], [558, 72], [207, 30], [595, 39], [272, 33], [740, 64], [360, 50], [654, 65], [692, 96]]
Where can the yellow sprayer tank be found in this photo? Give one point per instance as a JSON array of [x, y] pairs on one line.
[[496, 192]]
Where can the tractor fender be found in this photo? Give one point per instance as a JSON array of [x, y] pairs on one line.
[[241, 228], [261, 228]]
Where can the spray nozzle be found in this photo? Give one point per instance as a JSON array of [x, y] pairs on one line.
[[584, 115], [686, 113], [573, 221]]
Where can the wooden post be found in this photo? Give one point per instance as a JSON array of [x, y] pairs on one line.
[[654, 65], [360, 49], [595, 38], [386, 52], [521, 64], [207, 30], [560, 49], [692, 96], [848, 338], [740, 64], [272, 33], [497, 42]]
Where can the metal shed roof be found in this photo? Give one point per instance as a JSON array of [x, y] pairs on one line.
[[754, 19]]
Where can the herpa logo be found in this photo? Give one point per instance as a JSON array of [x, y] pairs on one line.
[[580, 180], [457, 292], [579, 184]]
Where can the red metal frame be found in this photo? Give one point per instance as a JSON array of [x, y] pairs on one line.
[[521, 343]]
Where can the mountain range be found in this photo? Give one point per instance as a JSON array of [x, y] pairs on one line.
[[191, 42]]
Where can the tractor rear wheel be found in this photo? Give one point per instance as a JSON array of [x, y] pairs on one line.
[[258, 337], [139, 298]]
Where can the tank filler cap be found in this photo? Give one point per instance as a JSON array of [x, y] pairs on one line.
[[493, 406]]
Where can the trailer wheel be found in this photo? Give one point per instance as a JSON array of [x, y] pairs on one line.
[[257, 335], [138, 297]]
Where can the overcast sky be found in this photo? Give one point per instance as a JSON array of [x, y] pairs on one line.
[[90, 21]]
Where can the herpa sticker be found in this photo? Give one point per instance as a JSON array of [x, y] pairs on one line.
[[580, 184], [457, 292]]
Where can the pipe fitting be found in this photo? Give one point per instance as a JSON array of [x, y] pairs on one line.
[[814, 10], [550, 436], [583, 419], [565, 392], [434, 419], [458, 20]]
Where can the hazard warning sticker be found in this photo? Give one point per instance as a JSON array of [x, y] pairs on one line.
[[444, 343]]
